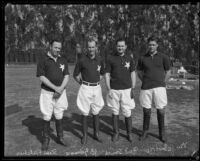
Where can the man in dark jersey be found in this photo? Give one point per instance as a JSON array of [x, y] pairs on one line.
[[88, 73], [153, 70], [120, 81], [54, 75]]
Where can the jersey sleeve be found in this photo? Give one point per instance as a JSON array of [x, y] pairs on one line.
[[77, 68], [132, 65], [40, 68], [108, 65], [66, 70], [102, 71], [140, 64], [166, 62]]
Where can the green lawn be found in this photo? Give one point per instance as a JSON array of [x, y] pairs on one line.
[[23, 122]]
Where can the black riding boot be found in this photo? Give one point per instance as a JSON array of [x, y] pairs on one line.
[[146, 122], [45, 135], [59, 130], [96, 128], [115, 128], [85, 128], [128, 122], [161, 124]]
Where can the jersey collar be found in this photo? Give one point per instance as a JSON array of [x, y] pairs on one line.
[[50, 56]]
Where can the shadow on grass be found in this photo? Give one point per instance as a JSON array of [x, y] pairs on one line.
[[12, 109], [122, 126], [73, 124], [35, 127]]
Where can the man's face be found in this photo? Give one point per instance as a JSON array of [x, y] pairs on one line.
[[92, 47], [55, 48], [152, 46], [121, 47]]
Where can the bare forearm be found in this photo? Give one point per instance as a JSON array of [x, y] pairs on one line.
[[140, 75], [47, 82], [167, 75], [107, 78], [65, 81], [133, 78], [101, 77], [78, 79]]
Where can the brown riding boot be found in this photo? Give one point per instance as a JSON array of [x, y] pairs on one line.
[[146, 122], [115, 128], [85, 128], [45, 135], [128, 122], [96, 128]]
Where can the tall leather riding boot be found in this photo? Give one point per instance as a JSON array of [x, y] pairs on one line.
[[85, 128], [59, 130], [45, 135], [146, 122], [128, 122], [115, 128], [161, 124], [96, 128]]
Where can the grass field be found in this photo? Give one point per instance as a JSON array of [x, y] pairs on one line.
[[23, 122]]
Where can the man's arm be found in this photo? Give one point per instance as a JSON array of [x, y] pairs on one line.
[[107, 79], [140, 74], [61, 88], [44, 80], [167, 75], [133, 79], [101, 76], [64, 82], [78, 78]]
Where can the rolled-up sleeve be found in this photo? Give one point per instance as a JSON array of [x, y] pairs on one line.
[[40, 68], [102, 71], [77, 69], [108, 65], [139, 65], [166, 62], [132, 65], [66, 70]]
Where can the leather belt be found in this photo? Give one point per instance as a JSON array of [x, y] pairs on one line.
[[90, 84]]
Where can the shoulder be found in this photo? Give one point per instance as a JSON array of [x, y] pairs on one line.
[[164, 56], [110, 57], [64, 59], [43, 58]]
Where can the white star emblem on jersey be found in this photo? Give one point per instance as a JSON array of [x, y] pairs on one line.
[[62, 66], [98, 68], [127, 65]]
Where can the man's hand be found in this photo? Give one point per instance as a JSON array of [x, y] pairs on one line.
[[110, 94], [132, 93], [56, 95], [59, 90]]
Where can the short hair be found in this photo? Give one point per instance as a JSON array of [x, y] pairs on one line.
[[92, 40], [152, 38], [120, 39], [55, 39]]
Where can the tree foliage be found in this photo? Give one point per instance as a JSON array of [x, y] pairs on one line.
[[29, 27]]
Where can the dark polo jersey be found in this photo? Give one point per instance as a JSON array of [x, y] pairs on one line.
[[90, 69], [53, 71], [120, 68], [154, 69]]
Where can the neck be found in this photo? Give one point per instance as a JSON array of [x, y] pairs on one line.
[[92, 56], [153, 53], [121, 54], [54, 56]]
